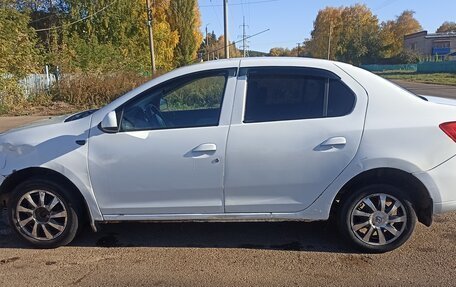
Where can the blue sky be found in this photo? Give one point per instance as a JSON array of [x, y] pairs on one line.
[[291, 21]]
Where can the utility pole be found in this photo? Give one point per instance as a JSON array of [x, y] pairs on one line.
[[207, 44], [151, 36], [299, 49], [329, 40], [245, 46], [225, 16]]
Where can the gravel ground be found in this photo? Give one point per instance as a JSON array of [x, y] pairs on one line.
[[226, 254], [229, 254]]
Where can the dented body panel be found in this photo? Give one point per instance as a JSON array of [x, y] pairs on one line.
[[51, 144]]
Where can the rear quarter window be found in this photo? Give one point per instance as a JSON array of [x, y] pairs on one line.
[[341, 100]]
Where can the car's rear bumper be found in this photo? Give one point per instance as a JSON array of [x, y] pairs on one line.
[[441, 184]]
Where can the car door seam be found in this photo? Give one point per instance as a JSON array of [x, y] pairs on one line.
[[227, 137]]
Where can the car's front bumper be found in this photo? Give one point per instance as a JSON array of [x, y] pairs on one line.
[[441, 184]]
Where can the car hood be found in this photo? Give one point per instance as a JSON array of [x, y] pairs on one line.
[[52, 130], [39, 123], [52, 121]]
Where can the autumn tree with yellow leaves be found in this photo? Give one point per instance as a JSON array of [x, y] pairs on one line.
[[353, 34], [184, 17], [392, 33]]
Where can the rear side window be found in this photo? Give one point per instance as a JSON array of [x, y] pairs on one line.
[[341, 99], [279, 95]]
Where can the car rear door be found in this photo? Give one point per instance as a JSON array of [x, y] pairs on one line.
[[293, 131]]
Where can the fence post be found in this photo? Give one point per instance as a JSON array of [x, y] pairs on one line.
[[48, 80]]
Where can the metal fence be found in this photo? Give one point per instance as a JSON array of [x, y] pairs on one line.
[[384, 68], [424, 67], [36, 83], [437, 67]]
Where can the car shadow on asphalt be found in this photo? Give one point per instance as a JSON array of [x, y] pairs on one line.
[[294, 236]]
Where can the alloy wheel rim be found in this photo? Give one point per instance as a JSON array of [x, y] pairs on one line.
[[378, 219], [41, 215]]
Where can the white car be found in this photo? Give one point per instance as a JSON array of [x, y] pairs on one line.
[[239, 140]]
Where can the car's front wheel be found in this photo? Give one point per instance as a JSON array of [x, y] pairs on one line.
[[44, 213], [377, 218]]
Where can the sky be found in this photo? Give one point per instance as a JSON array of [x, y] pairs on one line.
[[291, 21]]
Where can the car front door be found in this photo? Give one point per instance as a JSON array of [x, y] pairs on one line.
[[167, 156], [293, 132]]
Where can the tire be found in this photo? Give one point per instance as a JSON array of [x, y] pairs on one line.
[[374, 227], [44, 221]]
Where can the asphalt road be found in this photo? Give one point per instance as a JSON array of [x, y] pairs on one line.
[[428, 89], [226, 254]]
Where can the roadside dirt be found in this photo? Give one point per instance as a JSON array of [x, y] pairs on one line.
[[7, 123], [226, 254]]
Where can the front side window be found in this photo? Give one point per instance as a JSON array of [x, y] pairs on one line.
[[192, 101], [279, 95]]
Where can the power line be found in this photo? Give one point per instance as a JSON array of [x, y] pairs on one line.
[[384, 4], [242, 6], [248, 8], [39, 19], [244, 47], [234, 43], [216, 16], [237, 4], [77, 21]]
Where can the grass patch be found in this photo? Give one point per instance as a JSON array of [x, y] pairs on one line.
[[435, 78]]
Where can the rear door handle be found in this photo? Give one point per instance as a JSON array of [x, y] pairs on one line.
[[335, 142], [206, 147]]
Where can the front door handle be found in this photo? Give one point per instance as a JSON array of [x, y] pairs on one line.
[[334, 142], [206, 147]]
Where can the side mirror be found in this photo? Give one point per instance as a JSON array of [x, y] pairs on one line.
[[109, 123]]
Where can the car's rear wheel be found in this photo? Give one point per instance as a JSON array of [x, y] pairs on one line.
[[44, 213], [377, 218]]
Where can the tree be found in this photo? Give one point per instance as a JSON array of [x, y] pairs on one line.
[[447, 27], [118, 35], [350, 34], [113, 36], [285, 52], [359, 36], [393, 32], [388, 39], [18, 42], [279, 52], [216, 50], [184, 18], [18, 55], [328, 22]]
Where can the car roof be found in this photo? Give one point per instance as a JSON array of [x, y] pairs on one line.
[[251, 61]]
